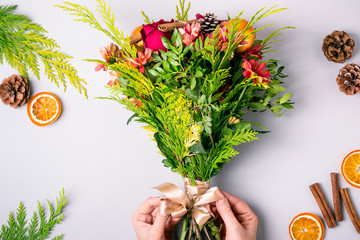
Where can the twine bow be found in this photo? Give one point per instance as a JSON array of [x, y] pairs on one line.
[[196, 199]]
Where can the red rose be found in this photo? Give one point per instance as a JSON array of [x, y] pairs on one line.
[[151, 36]]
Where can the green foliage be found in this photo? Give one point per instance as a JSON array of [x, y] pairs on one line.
[[181, 11], [86, 16], [146, 18], [39, 227], [194, 98], [23, 42]]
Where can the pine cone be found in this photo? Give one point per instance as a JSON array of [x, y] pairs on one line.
[[208, 23], [338, 46], [15, 90], [349, 79]]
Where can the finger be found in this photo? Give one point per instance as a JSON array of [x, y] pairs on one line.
[[243, 212], [226, 213], [160, 222], [148, 206]]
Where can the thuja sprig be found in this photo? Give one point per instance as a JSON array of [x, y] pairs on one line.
[[23, 42], [39, 227], [181, 11]]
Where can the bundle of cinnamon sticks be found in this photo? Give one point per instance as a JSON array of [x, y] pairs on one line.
[[325, 209]]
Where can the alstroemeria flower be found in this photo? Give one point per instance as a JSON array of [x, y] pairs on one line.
[[134, 102], [254, 51], [190, 32], [113, 78], [254, 69], [109, 54], [141, 60], [223, 43], [151, 35], [104, 52]]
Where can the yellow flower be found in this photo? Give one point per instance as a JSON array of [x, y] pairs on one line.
[[193, 135]]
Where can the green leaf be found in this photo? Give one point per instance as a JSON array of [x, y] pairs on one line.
[[168, 163], [276, 108], [192, 94], [197, 148], [198, 74], [202, 100], [166, 42], [166, 66], [131, 118], [287, 106], [192, 83], [156, 57], [285, 98], [256, 105]]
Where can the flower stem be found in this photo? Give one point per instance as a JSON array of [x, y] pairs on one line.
[[184, 228], [207, 233]]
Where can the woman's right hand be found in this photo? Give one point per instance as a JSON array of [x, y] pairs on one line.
[[240, 222]]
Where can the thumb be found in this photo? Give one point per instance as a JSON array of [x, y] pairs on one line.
[[160, 222], [224, 209]]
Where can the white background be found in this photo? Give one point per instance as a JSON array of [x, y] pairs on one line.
[[109, 168]]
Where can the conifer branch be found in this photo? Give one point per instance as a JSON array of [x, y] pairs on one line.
[[18, 228], [23, 43]]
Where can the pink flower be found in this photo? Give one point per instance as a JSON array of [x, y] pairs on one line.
[[254, 51], [254, 69], [223, 42], [109, 54], [104, 52], [141, 60], [151, 35], [134, 102], [113, 78], [190, 32]]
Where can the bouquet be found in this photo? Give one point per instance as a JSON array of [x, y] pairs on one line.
[[191, 83]]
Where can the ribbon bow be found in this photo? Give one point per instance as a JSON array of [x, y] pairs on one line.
[[196, 199]]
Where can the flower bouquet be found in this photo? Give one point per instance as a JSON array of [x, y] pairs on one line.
[[191, 83]]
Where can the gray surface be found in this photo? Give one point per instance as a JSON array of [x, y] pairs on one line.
[[108, 168]]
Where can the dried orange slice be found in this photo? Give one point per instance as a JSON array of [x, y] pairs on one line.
[[44, 108], [306, 226], [350, 168]]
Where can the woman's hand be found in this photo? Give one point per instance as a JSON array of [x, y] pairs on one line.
[[149, 224], [240, 222]]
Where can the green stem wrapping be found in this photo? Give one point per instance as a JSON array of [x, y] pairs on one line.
[[184, 228]]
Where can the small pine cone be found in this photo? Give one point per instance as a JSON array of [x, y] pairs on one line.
[[338, 46], [15, 90], [349, 79], [208, 23]]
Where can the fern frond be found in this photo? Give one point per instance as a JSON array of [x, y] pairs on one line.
[[23, 42]]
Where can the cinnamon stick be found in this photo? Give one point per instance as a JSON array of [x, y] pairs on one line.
[[350, 209], [336, 197], [324, 207], [166, 27]]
